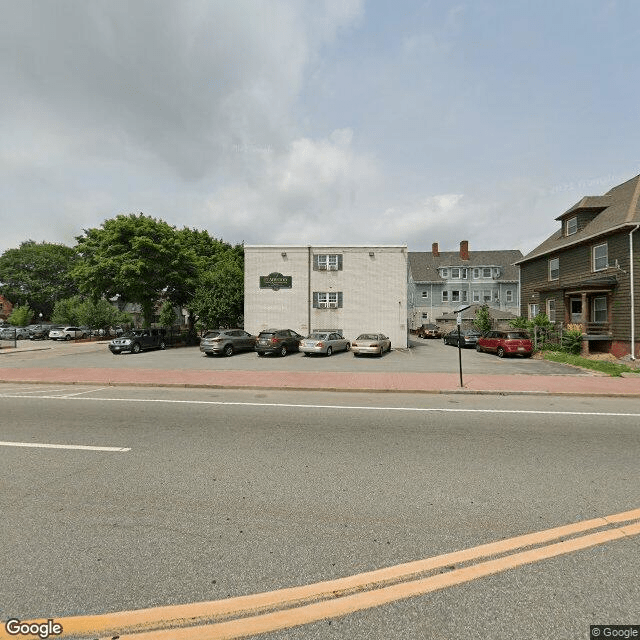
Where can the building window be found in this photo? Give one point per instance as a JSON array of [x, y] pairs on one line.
[[486, 272], [571, 226], [455, 273], [476, 296], [509, 295], [327, 262], [554, 268], [425, 295], [476, 273], [486, 295], [445, 296], [534, 310], [600, 257], [599, 311], [551, 310], [459, 296], [327, 299], [445, 273]]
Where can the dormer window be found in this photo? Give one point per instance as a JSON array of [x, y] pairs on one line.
[[445, 273], [571, 226]]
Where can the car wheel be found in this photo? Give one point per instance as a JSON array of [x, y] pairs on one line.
[[260, 354], [67, 337], [478, 348], [163, 345], [348, 347], [228, 350], [283, 351], [135, 348], [500, 352], [380, 352], [329, 351]]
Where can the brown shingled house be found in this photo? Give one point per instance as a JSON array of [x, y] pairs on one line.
[[588, 272]]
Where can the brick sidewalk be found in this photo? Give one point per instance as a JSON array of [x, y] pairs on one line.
[[583, 385]]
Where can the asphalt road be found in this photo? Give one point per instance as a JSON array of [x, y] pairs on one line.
[[424, 356], [224, 493]]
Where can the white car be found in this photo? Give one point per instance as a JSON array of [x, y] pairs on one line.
[[67, 333]]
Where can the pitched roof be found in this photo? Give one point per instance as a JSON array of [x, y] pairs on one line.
[[424, 265], [619, 209], [470, 314]]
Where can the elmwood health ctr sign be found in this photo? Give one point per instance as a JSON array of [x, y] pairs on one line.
[[275, 281]]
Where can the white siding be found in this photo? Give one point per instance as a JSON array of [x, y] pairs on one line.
[[374, 290]]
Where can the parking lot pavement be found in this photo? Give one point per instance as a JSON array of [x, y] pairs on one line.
[[428, 368]]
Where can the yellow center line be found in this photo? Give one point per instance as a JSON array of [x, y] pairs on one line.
[[154, 622]]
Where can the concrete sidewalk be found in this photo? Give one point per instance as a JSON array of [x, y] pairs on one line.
[[578, 385]]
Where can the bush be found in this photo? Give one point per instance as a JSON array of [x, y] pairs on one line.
[[572, 341], [21, 316]]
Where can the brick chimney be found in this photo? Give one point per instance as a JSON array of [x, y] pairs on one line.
[[434, 250], [464, 250]]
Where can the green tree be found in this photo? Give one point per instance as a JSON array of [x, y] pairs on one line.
[[38, 274], [206, 254], [219, 298], [135, 257], [21, 316], [482, 321], [167, 315], [67, 311]]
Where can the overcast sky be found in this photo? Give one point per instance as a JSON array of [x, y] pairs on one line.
[[294, 121]]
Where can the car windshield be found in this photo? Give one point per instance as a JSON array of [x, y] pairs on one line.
[[212, 334], [367, 336], [318, 336], [517, 335], [267, 334]]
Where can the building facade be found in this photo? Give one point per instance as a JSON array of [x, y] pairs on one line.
[[345, 288], [441, 281], [5, 308], [588, 272]]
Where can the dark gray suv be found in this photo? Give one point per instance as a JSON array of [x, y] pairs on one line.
[[279, 341], [226, 342]]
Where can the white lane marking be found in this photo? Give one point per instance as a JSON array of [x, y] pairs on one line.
[[71, 395], [219, 403], [82, 447]]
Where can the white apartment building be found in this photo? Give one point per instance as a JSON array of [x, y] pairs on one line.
[[346, 288]]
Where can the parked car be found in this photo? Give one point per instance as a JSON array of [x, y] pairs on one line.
[[324, 342], [429, 331], [226, 342], [504, 343], [371, 343], [280, 341], [14, 333], [67, 333], [39, 332], [139, 340], [468, 337]]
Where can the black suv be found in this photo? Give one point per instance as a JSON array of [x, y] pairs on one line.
[[279, 341], [138, 340]]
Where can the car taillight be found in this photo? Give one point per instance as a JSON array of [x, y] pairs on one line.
[[274, 340], [320, 344]]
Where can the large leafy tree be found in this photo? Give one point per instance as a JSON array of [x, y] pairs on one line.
[[38, 274], [216, 267], [136, 257], [219, 297]]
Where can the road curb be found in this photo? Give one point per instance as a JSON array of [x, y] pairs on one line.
[[192, 385]]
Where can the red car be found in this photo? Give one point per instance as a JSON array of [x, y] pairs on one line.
[[504, 343]]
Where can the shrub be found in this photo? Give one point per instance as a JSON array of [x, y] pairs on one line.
[[572, 341]]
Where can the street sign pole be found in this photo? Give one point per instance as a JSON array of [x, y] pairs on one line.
[[459, 322], [459, 311]]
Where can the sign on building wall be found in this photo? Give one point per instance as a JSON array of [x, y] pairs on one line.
[[276, 281]]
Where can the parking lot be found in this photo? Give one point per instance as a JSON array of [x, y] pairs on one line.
[[426, 356]]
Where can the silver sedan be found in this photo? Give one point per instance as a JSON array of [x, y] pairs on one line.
[[372, 343], [321, 342]]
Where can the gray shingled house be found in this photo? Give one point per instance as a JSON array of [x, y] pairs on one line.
[[588, 272], [440, 281]]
